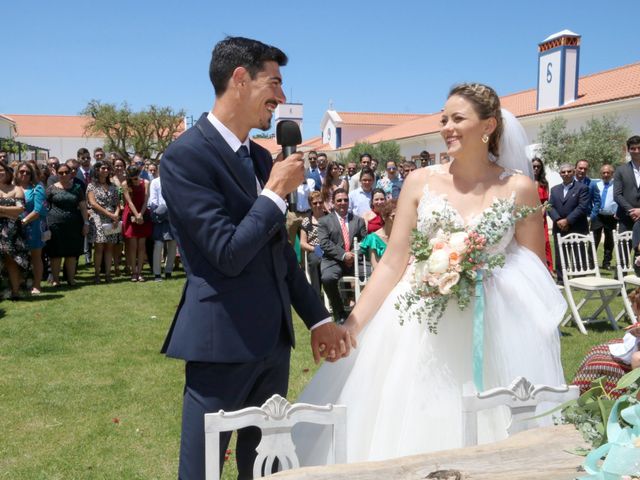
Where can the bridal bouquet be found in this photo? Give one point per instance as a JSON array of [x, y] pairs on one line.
[[448, 263]]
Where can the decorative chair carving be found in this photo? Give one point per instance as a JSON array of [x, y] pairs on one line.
[[521, 397], [275, 418]]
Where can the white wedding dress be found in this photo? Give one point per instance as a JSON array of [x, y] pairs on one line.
[[403, 385]]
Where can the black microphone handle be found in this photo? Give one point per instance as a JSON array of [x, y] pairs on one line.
[[292, 198]]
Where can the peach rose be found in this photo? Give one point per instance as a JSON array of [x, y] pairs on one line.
[[447, 282]]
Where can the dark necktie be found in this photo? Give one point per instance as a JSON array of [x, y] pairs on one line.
[[246, 164], [87, 177]]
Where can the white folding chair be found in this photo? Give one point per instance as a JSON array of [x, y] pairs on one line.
[[580, 272], [305, 263], [356, 282], [275, 418], [521, 397], [625, 258]]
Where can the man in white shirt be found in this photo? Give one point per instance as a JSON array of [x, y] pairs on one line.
[[605, 220], [360, 198], [300, 210], [354, 181]]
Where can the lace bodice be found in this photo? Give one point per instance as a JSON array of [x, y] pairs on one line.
[[432, 202]]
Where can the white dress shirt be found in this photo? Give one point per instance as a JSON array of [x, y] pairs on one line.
[[235, 144]]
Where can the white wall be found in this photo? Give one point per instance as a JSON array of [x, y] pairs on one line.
[[63, 147], [6, 128]]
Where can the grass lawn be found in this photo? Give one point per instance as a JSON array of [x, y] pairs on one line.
[[84, 393]]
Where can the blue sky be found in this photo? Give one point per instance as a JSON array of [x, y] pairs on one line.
[[398, 56]]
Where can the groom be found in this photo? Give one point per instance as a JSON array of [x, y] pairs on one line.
[[225, 197]]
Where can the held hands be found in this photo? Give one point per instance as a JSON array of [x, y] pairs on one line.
[[286, 174], [332, 342]]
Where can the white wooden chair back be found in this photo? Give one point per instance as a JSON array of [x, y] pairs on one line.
[[356, 282], [623, 253], [305, 263], [578, 255], [521, 397], [275, 418]]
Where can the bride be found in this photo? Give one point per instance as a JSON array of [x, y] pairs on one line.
[[403, 385]]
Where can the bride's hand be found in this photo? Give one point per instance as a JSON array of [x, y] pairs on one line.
[[331, 342]]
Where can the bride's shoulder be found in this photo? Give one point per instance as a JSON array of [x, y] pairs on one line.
[[523, 187], [422, 177]]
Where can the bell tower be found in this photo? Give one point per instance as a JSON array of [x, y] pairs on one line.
[[558, 61]]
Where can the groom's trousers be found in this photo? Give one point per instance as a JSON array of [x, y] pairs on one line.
[[210, 387]]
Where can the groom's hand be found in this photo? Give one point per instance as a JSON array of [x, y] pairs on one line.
[[331, 341]]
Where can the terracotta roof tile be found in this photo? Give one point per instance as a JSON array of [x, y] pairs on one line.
[[364, 118], [615, 84], [55, 125], [49, 125], [268, 143]]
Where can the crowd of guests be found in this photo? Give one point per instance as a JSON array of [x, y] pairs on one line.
[[337, 205], [53, 214], [580, 204]]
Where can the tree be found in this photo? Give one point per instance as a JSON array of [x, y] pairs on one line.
[[555, 142], [148, 132], [601, 140], [381, 151]]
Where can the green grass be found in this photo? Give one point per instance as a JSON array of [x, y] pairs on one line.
[[85, 393]]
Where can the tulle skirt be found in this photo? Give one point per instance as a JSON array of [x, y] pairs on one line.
[[403, 385]]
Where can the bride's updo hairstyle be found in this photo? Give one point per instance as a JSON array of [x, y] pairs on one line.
[[486, 104]]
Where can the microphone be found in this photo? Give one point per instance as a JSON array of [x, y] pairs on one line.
[[288, 136]]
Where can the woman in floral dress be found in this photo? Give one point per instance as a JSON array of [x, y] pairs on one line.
[[104, 218], [13, 247]]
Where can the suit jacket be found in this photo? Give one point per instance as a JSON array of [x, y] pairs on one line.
[[575, 207], [242, 273], [330, 237], [625, 192]]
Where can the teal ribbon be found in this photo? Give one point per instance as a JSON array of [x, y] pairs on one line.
[[622, 456], [478, 333]]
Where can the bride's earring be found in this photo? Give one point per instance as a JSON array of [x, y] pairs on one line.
[[485, 138]]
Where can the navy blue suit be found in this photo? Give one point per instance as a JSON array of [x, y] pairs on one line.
[[575, 207], [234, 324]]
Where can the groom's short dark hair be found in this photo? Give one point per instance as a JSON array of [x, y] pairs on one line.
[[234, 52]]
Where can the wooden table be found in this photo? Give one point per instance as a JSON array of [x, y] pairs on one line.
[[542, 453]]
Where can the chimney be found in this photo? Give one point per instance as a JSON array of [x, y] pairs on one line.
[[289, 111], [558, 61]]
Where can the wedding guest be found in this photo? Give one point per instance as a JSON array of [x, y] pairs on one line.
[[374, 244], [136, 222], [300, 210], [354, 181], [104, 218], [605, 222], [570, 207], [162, 237], [336, 233], [373, 218], [391, 183], [98, 155], [625, 187], [408, 166], [374, 167], [118, 178], [425, 159], [322, 166], [152, 170], [68, 221], [313, 172], [542, 183], [309, 239], [13, 245], [332, 182], [582, 170], [360, 198], [84, 170], [32, 218]]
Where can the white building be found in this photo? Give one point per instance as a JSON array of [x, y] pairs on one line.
[[62, 135]]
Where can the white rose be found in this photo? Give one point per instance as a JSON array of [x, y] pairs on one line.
[[448, 281], [438, 261], [457, 242]]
